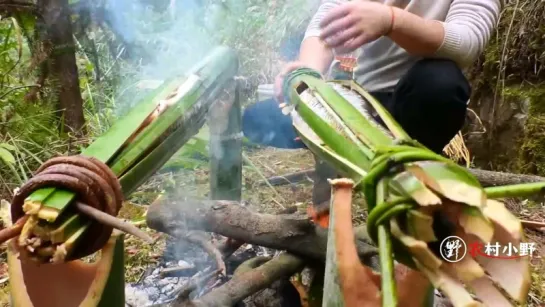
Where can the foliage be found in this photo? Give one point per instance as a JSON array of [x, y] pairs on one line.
[[516, 51], [25, 127], [122, 48], [507, 84]]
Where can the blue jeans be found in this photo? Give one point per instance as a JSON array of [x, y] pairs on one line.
[[263, 123]]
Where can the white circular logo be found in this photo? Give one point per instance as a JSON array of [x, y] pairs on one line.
[[453, 249]]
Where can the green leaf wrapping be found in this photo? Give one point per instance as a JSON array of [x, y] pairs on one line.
[[406, 186]]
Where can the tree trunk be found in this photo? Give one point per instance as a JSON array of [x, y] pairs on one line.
[[63, 68]]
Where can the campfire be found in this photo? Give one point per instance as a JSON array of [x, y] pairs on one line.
[[192, 267], [222, 253]]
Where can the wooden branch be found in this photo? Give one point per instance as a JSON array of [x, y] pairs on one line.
[[295, 234], [166, 272], [245, 284], [19, 7], [491, 178], [228, 247], [194, 283], [533, 225], [251, 264], [292, 178], [13, 230], [487, 178], [113, 222], [195, 238]]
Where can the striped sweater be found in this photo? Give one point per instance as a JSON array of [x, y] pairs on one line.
[[468, 26]]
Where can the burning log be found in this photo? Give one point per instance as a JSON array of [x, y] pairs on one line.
[[293, 233]]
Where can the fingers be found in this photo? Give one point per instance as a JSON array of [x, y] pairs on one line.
[[336, 14], [351, 45], [355, 43], [340, 30], [291, 67], [337, 26], [351, 25], [342, 38], [279, 80], [278, 88]]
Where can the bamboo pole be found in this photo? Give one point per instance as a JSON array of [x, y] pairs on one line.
[[225, 125], [332, 296]]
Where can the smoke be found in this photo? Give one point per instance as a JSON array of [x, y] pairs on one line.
[[164, 38], [161, 39]]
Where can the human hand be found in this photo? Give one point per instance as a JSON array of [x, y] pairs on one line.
[[289, 67], [353, 24]]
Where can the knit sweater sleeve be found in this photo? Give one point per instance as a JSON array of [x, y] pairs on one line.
[[468, 27], [313, 28]]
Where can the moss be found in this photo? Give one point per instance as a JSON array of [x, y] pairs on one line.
[[531, 158], [515, 51], [513, 59]]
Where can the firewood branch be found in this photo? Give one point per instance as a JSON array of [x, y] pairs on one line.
[[491, 178], [199, 239], [486, 178], [295, 234], [250, 281]]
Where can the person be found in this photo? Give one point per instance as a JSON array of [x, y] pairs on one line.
[[263, 123], [411, 56]]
